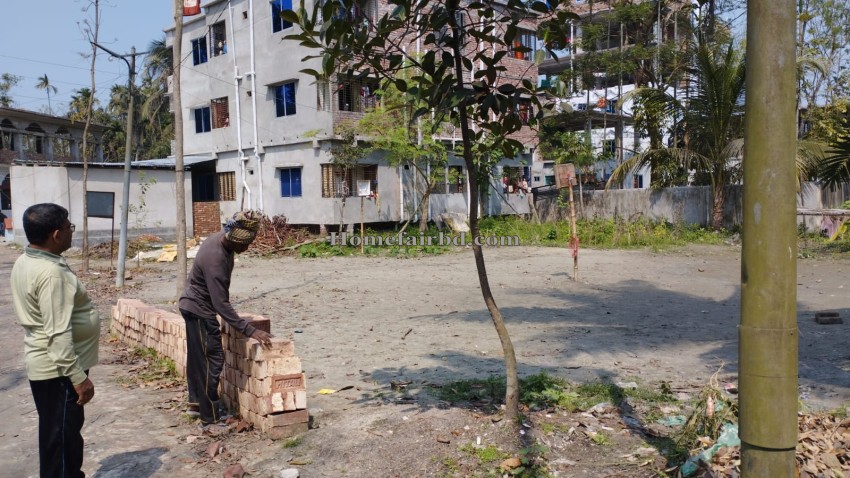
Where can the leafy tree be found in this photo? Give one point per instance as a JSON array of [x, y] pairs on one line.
[[7, 82], [391, 132], [712, 144], [45, 84], [459, 38], [345, 155]]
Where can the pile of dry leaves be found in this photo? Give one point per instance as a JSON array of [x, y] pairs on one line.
[[823, 450]]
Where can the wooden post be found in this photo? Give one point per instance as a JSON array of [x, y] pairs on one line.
[[573, 235], [565, 177]]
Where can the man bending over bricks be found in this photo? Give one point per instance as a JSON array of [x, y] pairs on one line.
[[206, 294]]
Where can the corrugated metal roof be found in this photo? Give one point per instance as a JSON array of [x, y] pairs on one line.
[[169, 162]]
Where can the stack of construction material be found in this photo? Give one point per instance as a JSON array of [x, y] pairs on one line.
[[141, 325], [264, 385]]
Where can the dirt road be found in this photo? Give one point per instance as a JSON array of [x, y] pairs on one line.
[[634, 316]]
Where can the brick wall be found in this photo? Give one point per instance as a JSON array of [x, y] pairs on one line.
[[206, 217], [265, 386]]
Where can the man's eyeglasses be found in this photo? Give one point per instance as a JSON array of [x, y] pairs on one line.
[[71, 227]]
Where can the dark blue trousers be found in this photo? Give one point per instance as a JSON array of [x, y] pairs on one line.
[[60, 420], [204, 363]]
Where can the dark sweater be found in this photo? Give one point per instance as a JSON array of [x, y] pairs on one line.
[[207, 291]]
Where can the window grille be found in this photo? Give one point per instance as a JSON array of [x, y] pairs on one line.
[[227, 186], [220, 113], [218, 39]]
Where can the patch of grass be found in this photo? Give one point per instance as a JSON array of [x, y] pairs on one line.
[[533, 462], [452, 466], [485, 454], [601, 439], [603, 233], [492, 388], [156, 368], [543, 390], [293, 442]]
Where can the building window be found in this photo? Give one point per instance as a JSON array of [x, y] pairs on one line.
[[6, 193], [220, 113], [524, 111], [279, 6], [284, 99], [524, 45], [338, 181], [7, 140], [33, 144], [357, 95], [456, 179], [226, 186], [323, 102], [212, 186], [199, 50], [290, 182], [218, 39], [364, 13], [609, 146], [202, 120]]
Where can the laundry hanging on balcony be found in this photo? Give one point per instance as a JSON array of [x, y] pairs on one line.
[[191, 7]]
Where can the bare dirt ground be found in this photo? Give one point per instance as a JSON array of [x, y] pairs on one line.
[[374, 323]]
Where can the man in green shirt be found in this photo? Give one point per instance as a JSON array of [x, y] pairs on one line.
[[61, 338]]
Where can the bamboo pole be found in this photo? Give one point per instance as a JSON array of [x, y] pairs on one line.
[[767, 344]]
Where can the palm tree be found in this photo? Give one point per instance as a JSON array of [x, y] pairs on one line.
[[45, 84], [79, 104], [834, 168], [712, 117]]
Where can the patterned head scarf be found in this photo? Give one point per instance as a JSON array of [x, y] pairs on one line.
[[242, 227]]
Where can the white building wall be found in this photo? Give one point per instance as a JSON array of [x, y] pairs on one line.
[[153, 212]]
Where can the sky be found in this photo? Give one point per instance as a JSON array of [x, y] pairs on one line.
[[45, 37]]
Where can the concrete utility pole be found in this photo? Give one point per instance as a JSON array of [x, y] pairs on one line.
[[128, 153], [767, 345], [177, 104]]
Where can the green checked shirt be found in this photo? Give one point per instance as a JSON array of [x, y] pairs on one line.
[[62, 327]]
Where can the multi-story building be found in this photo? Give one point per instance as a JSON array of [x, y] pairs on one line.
[[27, 136], [270, 127], [595, 106]]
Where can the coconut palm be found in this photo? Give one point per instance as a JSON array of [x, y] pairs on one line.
[[45, 84], [834, 168], [712, 117]]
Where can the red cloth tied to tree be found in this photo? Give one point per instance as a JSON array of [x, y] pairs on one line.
[[574, 246]]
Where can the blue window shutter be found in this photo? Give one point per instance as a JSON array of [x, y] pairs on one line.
[[285, 186], [278, 101], [289, 98], [296, 182], [207, 119], [199, 121], [203, 44]]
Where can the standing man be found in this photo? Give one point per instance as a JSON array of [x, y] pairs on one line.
[[61, 338], [206, 294]]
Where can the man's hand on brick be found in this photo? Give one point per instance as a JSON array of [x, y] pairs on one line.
[[263, 337]]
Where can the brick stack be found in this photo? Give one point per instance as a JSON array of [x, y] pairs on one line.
[[137, 323], [264, 385]]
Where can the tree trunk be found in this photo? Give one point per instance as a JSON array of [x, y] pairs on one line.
[[425, 207], [94, 38], [511, 378], [718, 201], [178, 146]]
